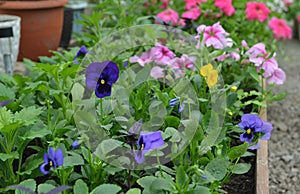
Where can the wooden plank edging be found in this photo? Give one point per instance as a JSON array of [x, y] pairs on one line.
[[262, 167]]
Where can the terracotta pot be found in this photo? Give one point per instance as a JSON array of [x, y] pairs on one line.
[[41, 25]]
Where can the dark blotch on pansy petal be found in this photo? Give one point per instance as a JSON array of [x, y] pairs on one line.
[[100, 76]]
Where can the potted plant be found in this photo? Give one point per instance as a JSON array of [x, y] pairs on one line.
[[41, 25]]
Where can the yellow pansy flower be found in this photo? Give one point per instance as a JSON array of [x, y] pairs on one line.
[[210, 74], [233, 88]]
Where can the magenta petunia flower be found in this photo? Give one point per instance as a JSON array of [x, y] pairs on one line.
[[100, 76], [192, 13], [280, 29], [192, 3], [257, 11], [161, 54], [146, 142], [52, 159], [214, 36], [169, 16], [225, 6]]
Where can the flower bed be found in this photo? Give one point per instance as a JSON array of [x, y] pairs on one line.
[[171, 107]]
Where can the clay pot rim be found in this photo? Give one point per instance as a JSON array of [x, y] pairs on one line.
[[29, 5]]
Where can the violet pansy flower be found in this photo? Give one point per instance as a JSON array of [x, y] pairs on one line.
[[252, 124], [80, 54], [100, 76], [5, 102], [148, 141], [52, 159]]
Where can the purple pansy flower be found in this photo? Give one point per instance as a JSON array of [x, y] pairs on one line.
[[5, 102], [252, 124], [75, 144], [81, 52], [52, 160], [100, 76], [148, 141]]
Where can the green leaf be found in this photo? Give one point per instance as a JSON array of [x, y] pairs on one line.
[[160, 184], [276, 97], [237, 151], [254, 74], [29, 183], [4, 156], [106, 188], [107, 146], [6, 92], [77, 92], [146, 181], [134, 191], [73, 160], [5, 117], [181, 177], [217, 168], [45, 188], [33, 133], [28, 115], [241, 168], [80, 187]]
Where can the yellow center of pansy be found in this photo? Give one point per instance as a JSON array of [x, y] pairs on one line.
[[51, 163], [248, 131], [102, 81], [143, 146]]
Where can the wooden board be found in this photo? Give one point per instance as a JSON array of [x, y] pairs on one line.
[[262, 168]]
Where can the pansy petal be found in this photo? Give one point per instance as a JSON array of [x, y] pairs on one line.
[[254, 147], [139, 156], [59, 157], [43, 169], [93, 73], [103, 90], [51, 154], [6, 102], [46, 159]]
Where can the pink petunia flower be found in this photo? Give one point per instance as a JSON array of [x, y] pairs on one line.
[[161, 54], [192, 14], [145, 58], [180, 64], [214, 36], [257, 11], [278, 77], [225, 6], [169, 15], [280, 29], [192, 3], [288, 2], [157, 72], [257, 54], [269, 66], [164, 4]]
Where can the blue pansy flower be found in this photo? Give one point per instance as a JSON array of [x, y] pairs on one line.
[[5, 102], [52, 159], [75, 144], [80, 54], [100, 76], [148, 141], [252, 124]]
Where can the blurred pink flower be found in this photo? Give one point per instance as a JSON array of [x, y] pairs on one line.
[[164, 4], [278, 77], [214, 36], [269, 66], [180, 64], [244, 43], [225, 6], [257, 54], [298, 18], [161, 54], [280, 28], [169, 15], [288, 2], [192, 3], [145, 58], [257, 11], [192, 14], [157, 72]]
